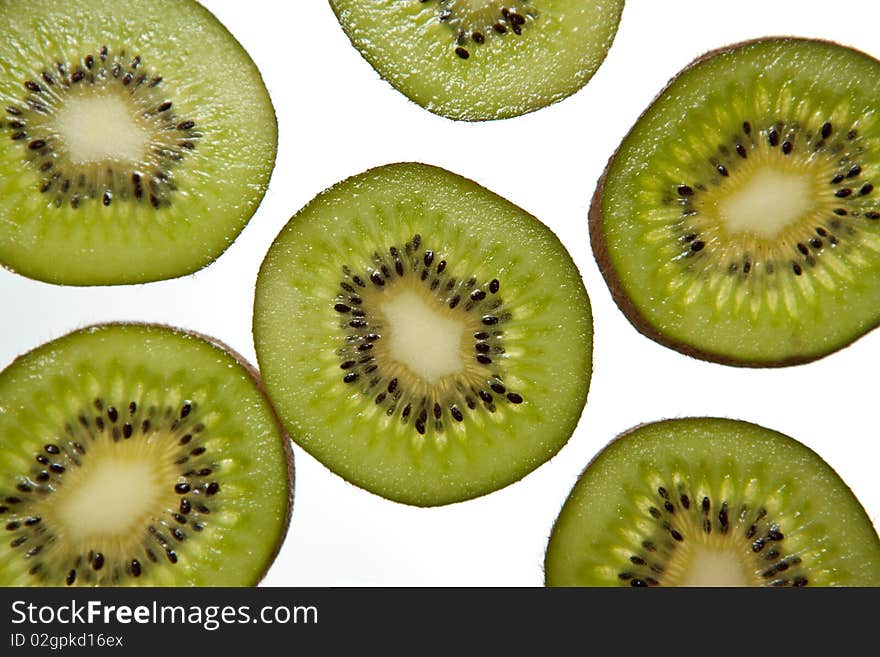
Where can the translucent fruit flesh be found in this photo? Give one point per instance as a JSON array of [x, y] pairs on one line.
[[134, 146], [138, 455], [744, 199], [711, 502], [477, 60], [422, 337]]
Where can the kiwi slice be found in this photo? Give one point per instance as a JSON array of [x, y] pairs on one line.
[[711, 502], [477, 60], [138, 455], [421, 336], [136, 141], [738, 221]]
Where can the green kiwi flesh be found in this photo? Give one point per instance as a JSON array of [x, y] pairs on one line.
[[738, 221], [477, 60], [138, 455], [711, 502], [421, 336], [135, 144]]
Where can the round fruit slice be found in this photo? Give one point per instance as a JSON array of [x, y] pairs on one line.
[[477, 60], [711, 502], [738, 221], [134, 145], [138, 455], [421, 336]]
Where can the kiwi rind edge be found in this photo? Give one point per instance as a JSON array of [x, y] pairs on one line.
[[286, 441], [251, 371], [606, 267]]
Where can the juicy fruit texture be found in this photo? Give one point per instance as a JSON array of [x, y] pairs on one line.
[[422, 337], [711, 502], [138, 455], [134, 145], [738, 221], [478, 60]]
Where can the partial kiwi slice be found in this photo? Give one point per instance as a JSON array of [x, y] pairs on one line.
[[738, 220], [422, 337], [477, 60], [711, 502], [138, 455], [136, 141]]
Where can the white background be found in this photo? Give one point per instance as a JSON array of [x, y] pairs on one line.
[[337, 118]]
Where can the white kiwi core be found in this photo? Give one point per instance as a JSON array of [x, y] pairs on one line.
[[767, 202], [119, 489], [715, 566], [102, 128], [116, 491], [421, 338]]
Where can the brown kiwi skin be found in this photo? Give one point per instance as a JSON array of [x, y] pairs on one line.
[[603, 259], [254, 374]]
